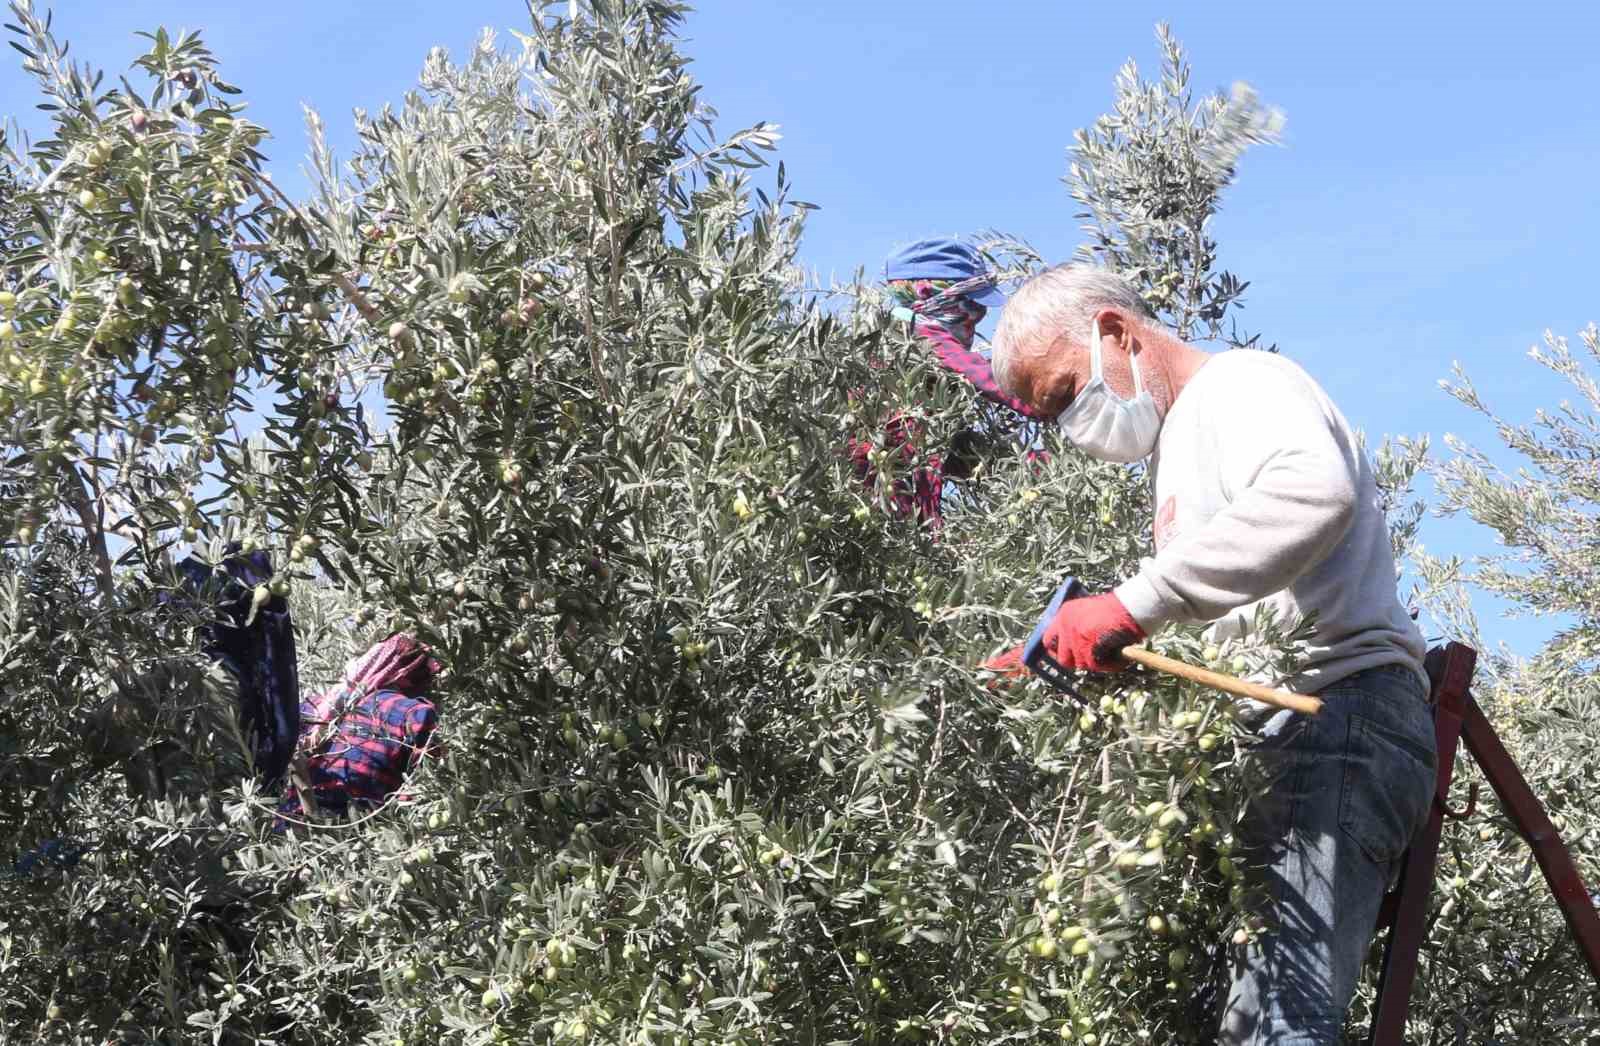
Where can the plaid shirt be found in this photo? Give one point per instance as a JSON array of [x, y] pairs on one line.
[[972, 366], [924, 494], [359, 745], [947, 323]]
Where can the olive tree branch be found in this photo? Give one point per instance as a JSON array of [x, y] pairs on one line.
[[78, 498], [369, 312]]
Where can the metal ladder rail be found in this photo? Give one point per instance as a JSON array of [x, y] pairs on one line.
[[1458, 718]]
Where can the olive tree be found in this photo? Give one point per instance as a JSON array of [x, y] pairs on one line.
[[1150, 175], [533, 376]]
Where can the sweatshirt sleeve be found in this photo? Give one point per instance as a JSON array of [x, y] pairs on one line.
[[1289, 475], [970, 365]]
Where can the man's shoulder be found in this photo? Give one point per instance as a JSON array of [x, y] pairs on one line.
[[1253, 371], [1258, 360]]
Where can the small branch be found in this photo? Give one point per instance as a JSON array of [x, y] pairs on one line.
[[368, 311], [934, 755], [78, 498], [126, 533], [1061, 813], [588, 321], [614, 276]]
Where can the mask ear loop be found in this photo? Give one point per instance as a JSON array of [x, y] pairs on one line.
[[1097, 364], [1097, 369], [1096, 372], [1138, 385]]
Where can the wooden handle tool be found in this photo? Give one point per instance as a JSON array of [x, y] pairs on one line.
[[1231, 684]]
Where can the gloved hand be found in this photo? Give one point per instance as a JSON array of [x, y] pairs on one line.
[[1006, 666], [1088, 633]]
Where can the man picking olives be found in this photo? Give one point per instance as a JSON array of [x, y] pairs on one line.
[[1262, 496]]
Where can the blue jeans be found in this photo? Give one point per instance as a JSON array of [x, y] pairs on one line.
[[1350, 787]]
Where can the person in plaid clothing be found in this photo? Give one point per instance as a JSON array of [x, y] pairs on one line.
[[943, 288], [359, 739]]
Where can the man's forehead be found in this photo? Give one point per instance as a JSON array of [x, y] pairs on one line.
[[1043, 378]]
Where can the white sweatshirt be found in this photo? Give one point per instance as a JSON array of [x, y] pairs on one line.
[[1262, 495]]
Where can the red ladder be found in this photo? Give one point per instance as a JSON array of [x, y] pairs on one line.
[[1405, 910]]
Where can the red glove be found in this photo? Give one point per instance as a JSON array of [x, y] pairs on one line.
[[1089, 633], [1006, 667]]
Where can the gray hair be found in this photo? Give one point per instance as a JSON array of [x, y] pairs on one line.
[[1060, 300]]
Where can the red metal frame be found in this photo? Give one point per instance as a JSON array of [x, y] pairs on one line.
[[1457, 717]]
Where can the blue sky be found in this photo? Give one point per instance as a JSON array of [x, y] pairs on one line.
[[1431, 203]]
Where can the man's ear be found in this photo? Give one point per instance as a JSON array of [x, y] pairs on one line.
[[1113, 324]]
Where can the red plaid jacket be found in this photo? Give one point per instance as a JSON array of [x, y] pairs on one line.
[[360, 744]]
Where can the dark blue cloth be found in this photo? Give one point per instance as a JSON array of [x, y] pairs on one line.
[[260, 654], [943, 259], [60, 854]]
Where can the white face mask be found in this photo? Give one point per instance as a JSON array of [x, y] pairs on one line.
[[1105, 426]]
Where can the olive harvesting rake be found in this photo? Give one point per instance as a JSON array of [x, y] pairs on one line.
[[1036, 658], [1456, 718]]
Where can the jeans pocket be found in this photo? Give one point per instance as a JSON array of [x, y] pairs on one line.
[[1388, 785]]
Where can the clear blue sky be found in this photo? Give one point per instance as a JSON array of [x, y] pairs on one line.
[[1430, 204]]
